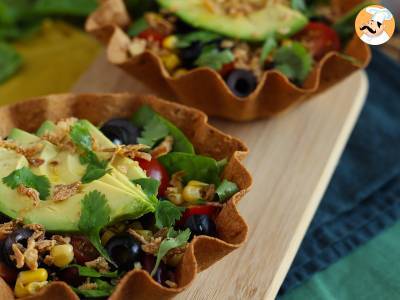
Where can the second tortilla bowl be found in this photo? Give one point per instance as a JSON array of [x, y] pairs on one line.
[[202, 251], [205, 88]]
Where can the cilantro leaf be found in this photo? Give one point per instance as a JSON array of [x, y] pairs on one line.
[[10, 61], [95, 214], [28, 179], [294, 60], [90, 272], [146, 114], [204, 37], [103, 289], [213, 58], [81, 137], [195, 167], [138, 27], [149, 185], [175, 239], [153, 132], [95, 168], [167, 214], [226, 190]]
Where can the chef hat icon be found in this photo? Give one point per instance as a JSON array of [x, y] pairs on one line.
[[379, 14]]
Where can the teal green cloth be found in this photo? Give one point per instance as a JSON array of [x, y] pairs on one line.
[[371, 272]]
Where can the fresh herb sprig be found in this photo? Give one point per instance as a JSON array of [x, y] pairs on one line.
[[81, 137], [175, 239], [167, 214], [95, 214], [27, 178]]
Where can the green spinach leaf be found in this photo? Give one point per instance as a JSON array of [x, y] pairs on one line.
[[195, 167]]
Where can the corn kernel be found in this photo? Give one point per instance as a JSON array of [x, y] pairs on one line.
[[34, 287], [171, 61], [37, 275], [193, 191], [170, 42], [107, 235], [28, 282], [180, 72], [62, 255]]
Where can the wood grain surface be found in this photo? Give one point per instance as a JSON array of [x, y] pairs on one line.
[[292, 160]]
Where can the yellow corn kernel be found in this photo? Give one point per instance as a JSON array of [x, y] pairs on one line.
[[62, 255], [34, 287], [171, 61], [37, 275], [147, 234], [24, 287], [170, 42], [193, 191], [180, 72], [107, 235]]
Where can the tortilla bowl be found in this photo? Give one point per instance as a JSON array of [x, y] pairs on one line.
[[203, 251], [205, 89]]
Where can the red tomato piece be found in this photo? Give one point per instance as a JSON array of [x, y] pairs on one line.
[[319, 38], [156, 171], [151, 34], [84, 251]]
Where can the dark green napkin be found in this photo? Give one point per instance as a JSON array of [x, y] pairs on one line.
[[363, 196]]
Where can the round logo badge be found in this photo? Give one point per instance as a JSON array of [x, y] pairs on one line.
[[375, 25]]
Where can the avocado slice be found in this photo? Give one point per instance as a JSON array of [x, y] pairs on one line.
[[10, 161], [132, 167], [63, 216], [273, 20], [126, 200]]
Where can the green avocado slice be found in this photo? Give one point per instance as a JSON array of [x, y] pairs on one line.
[[126, 200], [275, 19], [64, 215]]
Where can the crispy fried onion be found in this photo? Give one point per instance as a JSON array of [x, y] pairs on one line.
[[100, 264], [37, 247], [64, 191], [61, 135], [7, 228], [163, 148], [131, 151], [30, 193], [28, 152]]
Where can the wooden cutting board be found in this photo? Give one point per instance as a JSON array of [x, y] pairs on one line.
[[292, 159]]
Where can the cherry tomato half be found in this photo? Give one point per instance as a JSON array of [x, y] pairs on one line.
[[84, 251], [319, 38], [198, 210], [157, 171], [151, 34]]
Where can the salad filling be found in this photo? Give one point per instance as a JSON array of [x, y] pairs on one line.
[[86, 205], [241, 40]]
